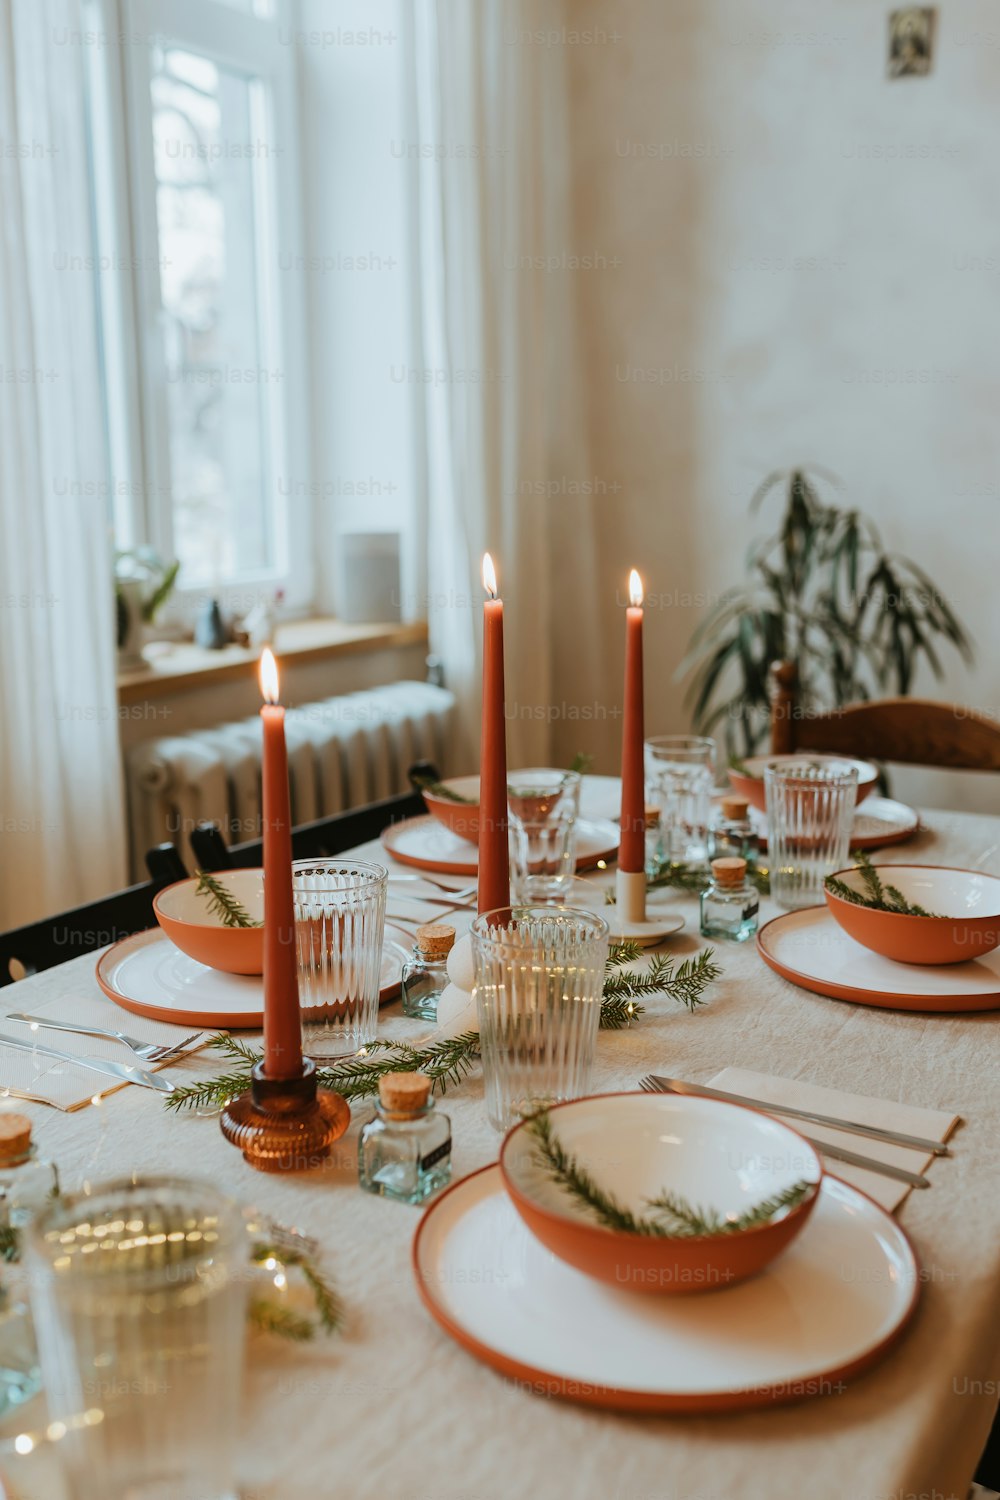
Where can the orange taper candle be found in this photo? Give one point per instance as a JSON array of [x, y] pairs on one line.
[[632, 843], [494, 855], [282, 1017]]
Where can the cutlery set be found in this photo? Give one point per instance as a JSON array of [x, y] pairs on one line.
[[148, 1052]]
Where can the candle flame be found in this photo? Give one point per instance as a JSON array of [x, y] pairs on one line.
[[268, 676], [634, 588], [489, 576]]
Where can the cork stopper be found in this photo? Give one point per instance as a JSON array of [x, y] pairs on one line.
[[728, 872], [734, 808], [15, 1138], [435, 939], [404, 1093], [652, 816]]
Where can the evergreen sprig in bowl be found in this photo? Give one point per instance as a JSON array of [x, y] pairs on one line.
[[455, 803], [917, 914], [216, 919], [661, 1193]]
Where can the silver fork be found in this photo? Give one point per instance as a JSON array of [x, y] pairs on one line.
[[149, 1051]]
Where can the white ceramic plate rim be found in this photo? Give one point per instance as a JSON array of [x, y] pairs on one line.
[[852, 1212], [867, 773], [870, 972]]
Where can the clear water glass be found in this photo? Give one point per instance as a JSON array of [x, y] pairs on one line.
[[542, 809], [539, 980], [139, 1294], [339, 930], [810, 813], [680, 775]]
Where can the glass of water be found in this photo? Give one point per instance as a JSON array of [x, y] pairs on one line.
[[542, 808], [810, 813], [680, 774], [139, 1294], [539, 980], [339, 929]]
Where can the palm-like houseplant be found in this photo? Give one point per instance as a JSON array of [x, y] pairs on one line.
[[824, 593]]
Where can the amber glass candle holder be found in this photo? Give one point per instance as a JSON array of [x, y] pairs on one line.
[[285, 1124]]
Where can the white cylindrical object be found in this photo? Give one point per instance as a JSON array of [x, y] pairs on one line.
[[630, 895]]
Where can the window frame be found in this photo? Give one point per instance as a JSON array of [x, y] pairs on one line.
[[126, 220]]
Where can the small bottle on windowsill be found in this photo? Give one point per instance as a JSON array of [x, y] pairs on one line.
[[729, 906]]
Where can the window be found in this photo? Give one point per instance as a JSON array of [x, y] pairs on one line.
[[202, 335]]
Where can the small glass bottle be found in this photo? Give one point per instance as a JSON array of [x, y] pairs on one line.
[[404, 1150], [27, 1183], [729, 906], [425, 972], [732, 835]]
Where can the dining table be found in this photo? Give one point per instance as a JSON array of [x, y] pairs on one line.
[[392, 1408]]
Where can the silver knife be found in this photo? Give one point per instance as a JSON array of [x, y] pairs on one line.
[[874, 1132], [122, 1071], [883, 1168]]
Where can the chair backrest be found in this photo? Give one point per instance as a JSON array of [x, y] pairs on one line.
[[84, 929], [324, 838], [911, 731]]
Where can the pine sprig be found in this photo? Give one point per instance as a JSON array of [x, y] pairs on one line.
[[222, 903], [672, 1217], [686, 984], [876, 896], [680, 877], [439, 789], [272, 1317]]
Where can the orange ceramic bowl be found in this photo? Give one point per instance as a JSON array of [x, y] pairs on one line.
[[750, 786], [187, 919], [461, 817], [719, 1157], [966, 926]]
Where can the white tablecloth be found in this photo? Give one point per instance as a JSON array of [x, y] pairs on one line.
[[395, 1410]]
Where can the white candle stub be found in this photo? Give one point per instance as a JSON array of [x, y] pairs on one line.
[[461, 969]]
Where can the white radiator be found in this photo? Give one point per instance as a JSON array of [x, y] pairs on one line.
[[342, 753]]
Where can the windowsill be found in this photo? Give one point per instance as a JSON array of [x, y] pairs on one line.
[[176, 667]]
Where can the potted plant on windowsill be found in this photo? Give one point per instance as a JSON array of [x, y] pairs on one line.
[[824, 593], [143, 584]]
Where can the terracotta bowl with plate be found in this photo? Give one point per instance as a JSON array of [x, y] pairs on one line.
[[462, 818], [966, 924], [749, 782], [188, 921], [721, 1158]]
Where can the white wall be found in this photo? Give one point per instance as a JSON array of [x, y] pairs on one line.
[[769, 268], [358, 252]]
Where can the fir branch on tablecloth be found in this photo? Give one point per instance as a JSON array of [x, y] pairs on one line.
[[222, 903], [447, 1062], [672, 1217], [876, 896], [10, 1243], [680, 877], [281, 1251]]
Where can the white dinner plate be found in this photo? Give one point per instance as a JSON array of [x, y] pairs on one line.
[[148, 975], [427, 844], [878, 822], [825, 1310], [811, 949]]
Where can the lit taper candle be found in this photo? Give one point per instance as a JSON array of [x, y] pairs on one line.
[[631, 874], [494, 855], [282, 1017]]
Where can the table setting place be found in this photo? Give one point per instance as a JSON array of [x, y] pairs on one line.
[[645, 1116]]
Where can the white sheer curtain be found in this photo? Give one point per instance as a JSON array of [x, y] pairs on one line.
[[61, 807], [497, 350]]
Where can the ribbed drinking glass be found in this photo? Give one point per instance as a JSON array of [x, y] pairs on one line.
[[680, 774], [539, 980], [542, 808], [339, 929], [139, 1291], [810, 813]]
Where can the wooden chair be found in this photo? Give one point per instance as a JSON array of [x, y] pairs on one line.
[[911, 731], [84, 929]]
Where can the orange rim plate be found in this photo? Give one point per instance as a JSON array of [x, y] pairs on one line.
[[878, 823], [800, 1328], [810, 949], [148, 975], [428, 845]]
